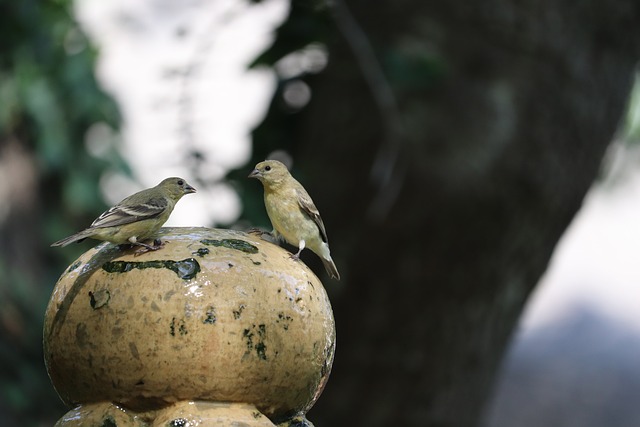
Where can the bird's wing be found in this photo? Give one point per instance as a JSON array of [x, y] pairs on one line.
[[305, 202], [126, 214]]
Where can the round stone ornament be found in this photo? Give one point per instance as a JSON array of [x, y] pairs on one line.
[[215, 319]]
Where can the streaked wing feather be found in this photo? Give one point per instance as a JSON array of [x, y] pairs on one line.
[[121, 215], [308, 207]]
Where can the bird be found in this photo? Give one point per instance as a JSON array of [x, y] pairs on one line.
[[136, 218], [293, 214]]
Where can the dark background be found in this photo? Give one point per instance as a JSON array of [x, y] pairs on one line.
[[448, 145]]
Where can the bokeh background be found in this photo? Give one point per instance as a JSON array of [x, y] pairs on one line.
[[475, 165]]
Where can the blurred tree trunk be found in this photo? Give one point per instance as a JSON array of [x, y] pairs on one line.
[[505, 110]]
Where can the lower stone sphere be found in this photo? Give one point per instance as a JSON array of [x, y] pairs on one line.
[[181, 414], [213, 316]]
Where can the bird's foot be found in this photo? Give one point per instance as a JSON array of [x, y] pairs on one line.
[[144, 248], [295, 257]]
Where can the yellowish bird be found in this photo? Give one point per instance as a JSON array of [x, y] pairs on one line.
[[293, 215], [137, 217]]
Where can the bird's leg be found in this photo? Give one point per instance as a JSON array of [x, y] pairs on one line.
[[144, 248], [157, 244], [301, 245]]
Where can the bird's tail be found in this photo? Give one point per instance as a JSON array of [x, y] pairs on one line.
[[329, 265], [78, 237], [325, 255]]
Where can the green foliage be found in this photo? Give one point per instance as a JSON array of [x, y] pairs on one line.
[[54, 100], [308, 22], [49, 100]]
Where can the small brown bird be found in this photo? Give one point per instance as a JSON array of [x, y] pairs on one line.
[[137, 217], [293, 215]]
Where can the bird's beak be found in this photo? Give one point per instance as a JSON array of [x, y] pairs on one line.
[[189, 189], [255, 174]]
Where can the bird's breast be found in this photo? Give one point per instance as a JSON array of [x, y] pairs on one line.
[[288, 219]]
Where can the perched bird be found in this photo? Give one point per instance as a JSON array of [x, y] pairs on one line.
[[293, 215], [136, 218]]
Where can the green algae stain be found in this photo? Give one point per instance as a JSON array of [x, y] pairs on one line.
[[236, 244], [186, 269], [201, 252], [255, 340], [108, 422], [211, 316], [237, 313], [285, 319], [178, 326], [178, 422]]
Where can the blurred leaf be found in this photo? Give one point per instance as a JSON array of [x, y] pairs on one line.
[[308, 22], [49, 99]]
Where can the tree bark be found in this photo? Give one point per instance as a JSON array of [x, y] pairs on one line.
[[504, 112]]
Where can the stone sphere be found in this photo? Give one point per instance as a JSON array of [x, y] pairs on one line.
[[213, 316], [180, 414]]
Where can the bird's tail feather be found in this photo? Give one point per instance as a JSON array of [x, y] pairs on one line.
[[332, 271], [325, 255], [78, 237]]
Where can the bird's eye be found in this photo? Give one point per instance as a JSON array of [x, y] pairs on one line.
[[180, 182], [267, 168]]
